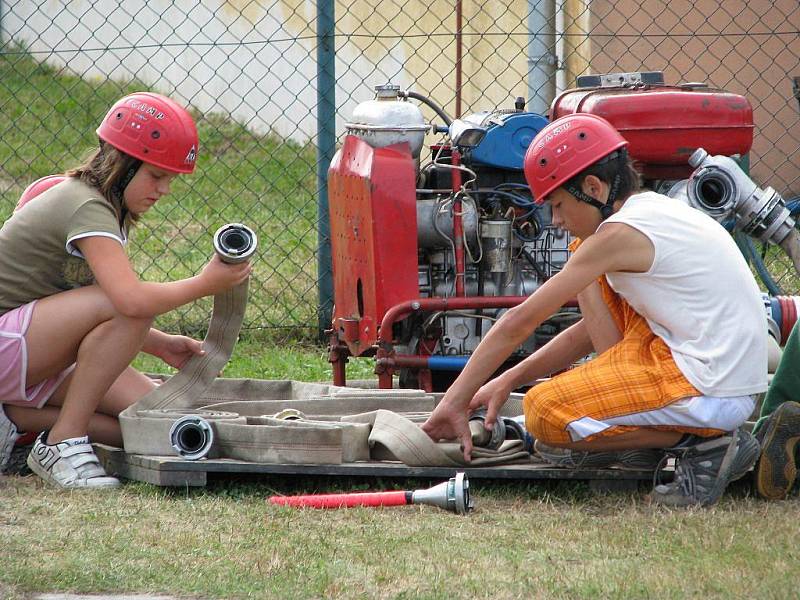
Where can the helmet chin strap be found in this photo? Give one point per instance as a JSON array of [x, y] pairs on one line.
[[606, 209], [118, 189]]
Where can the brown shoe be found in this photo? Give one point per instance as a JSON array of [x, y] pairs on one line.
[[776, 469]]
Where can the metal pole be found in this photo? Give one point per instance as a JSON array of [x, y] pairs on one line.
[[459, 54], [577, 44], [541, 55], [326, 146]]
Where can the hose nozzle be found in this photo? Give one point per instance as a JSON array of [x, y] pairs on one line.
[[452, 495]]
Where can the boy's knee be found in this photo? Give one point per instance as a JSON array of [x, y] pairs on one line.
[[540, 419], [543, 429]]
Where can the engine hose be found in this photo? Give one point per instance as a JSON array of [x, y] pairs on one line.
[[436, 108], [751, 256]]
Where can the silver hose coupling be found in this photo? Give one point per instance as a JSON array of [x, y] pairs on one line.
[[191, 437], [235, 243], [452, 495], [720, 188]]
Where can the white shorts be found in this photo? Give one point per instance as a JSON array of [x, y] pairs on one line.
[[702, 412]]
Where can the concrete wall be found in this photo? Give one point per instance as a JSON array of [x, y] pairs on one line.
[[730, 45], [257, 60]]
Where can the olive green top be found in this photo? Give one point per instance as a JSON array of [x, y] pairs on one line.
[[38, 257]]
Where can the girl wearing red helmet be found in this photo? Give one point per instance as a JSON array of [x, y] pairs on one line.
[[73, 313], [670, 308]]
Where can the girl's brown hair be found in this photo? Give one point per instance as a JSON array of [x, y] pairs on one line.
[[110, 171]]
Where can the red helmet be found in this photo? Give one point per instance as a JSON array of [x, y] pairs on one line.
[[154, 129], [38, 187], [566, 147]]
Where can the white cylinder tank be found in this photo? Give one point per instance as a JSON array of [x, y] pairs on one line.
[[386, 120]]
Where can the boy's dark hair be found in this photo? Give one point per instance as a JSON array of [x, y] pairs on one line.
[[616, 170], [110, 171]]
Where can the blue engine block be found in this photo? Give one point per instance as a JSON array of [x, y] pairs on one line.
[[508, 135]]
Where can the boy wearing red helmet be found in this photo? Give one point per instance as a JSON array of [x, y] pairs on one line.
[[73, 313], [670, 308]]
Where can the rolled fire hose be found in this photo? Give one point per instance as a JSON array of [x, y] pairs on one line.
[[147, 425]]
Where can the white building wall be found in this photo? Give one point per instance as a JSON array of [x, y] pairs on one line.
[[256, 60]]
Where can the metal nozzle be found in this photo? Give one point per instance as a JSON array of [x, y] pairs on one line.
[[452, 495]]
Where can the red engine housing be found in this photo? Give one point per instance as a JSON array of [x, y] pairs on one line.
[[665, 124], [373, 225]]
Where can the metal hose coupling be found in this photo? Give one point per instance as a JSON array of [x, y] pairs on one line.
[[452, 495], [235, 243], [482, 437], [720, 188], [191, 437]]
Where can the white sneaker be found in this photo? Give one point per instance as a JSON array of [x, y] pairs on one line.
[[71, 464], [8, 436]]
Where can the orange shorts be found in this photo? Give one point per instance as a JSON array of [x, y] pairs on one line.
[[636, 375]]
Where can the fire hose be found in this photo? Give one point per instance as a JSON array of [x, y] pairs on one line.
[[153, 418], [452, 495]]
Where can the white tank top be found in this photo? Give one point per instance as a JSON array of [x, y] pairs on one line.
[[699, 296]]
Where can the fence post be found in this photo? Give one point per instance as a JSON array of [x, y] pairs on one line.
[[326, 146]]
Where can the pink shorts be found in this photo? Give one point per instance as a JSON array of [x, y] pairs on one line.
[[14, 362]]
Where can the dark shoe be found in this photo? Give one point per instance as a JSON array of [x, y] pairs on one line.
[[8, 440], [704, 470], [16, 463], [776, 471], [645, 459]]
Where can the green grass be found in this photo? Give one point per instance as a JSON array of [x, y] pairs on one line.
[[557, 540], [257, 356], [523, 541], [262, 180]]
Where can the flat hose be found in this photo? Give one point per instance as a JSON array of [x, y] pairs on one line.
[[234, 243]]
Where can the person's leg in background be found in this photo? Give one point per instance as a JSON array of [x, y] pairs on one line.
[[778, 426]]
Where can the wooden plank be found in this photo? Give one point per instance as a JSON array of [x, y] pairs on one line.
[[166, 470], [118, 463]]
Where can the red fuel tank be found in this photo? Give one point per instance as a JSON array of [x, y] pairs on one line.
[[665, 124]]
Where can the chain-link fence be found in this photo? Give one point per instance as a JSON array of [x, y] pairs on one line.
[[273, 82]]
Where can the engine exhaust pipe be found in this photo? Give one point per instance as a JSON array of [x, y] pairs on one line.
[[191, 437], [452, 496]]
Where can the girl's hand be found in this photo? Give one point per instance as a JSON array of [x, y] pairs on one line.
[[220, 276], [175, 350]]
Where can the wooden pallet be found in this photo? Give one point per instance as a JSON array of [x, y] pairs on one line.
[[173, 471]]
